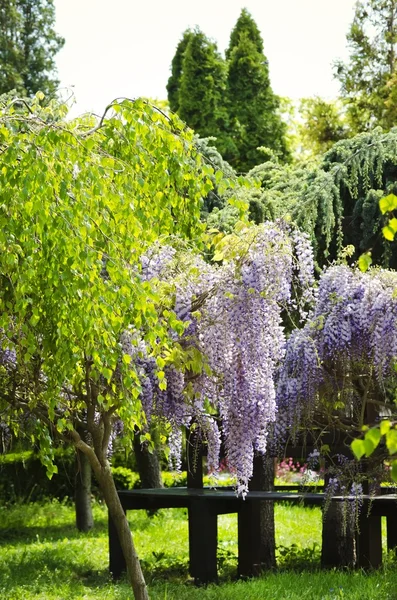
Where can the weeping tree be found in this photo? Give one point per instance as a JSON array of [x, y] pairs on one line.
[[335, 199], [338, 376], [232, 318], [81, 201]]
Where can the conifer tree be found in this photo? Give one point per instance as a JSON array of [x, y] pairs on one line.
[[28, 45], [252, 104], [174, 80], [245, 23], [202, 89], [368, 79]]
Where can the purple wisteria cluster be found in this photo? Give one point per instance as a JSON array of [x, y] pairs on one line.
[[232, 313], [349, 343]]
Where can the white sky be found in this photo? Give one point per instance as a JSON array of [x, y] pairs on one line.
[[124, 47]]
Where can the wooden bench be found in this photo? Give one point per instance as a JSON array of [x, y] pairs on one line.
[[204, 506]]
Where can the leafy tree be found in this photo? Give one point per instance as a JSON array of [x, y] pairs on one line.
[[367, 79], [81, 201], [252, 105], [28, 45], [202, 89], [323, 125], [173, 85]]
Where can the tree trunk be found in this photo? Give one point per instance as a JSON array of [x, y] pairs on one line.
[[148, 464], [104, 477], [82, 499], [338, 538], [263, 480]]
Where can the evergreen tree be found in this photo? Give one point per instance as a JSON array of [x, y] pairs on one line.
[[174, 81], [202, 89], [367, 80], [28, 45], [252, 104], [245, 24]]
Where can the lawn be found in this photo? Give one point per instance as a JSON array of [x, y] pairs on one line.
[[43, 556]]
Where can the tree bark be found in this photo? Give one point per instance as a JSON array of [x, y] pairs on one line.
[[338, 537], [84, 517], [148, 465], [103, 474]]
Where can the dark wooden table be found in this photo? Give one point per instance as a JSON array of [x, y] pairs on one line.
[[204, 506]]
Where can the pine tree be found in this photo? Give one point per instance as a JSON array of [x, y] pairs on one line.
[[174, 81], [28, 45], [252, 105], [202, 89], [368, 79]]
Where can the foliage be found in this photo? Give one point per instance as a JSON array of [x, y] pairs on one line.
[[245, 24], [231, 102], [124, 478], [81, 202], [372, 438], [28, 45], [295, 557], [252, 105], [202, 87], [174, 81], [335, 199], [23, 477], [367, 80], [323, 125]]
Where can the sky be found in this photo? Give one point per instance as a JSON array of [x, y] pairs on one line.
[[120, 48]]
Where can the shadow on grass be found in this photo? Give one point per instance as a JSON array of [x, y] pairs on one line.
[[13, 536]]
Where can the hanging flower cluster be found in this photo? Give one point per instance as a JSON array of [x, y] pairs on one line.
[[346, 351], [232, 315]]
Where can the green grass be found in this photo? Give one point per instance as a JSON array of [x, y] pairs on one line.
[[42, 556]]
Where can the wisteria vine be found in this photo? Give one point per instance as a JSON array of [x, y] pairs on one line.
[[232, 314]]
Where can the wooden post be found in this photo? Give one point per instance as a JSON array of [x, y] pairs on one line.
[[117, 564], [194, 455], [249, 539], [369, 540], [256, 536], [203, 541]]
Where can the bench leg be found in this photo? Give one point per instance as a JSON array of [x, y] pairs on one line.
[[369, 541], [249, 539], [392, 531], [117, 564], [203, 541]]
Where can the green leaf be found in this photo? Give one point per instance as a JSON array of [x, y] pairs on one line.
[[365, 261], [384, 426], [126, 359], [391, 441], [371, 440], [388, 233], [107, 373], [358, 448], [388, 203]]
